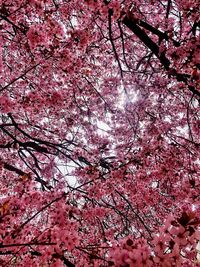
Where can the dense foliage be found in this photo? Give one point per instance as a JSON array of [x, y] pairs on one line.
[[99, 133]]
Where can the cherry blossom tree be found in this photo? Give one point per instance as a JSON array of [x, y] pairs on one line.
[[99, 133]]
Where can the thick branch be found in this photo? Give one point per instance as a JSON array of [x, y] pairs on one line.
[[160, 34], [146, 40], [13, 169]]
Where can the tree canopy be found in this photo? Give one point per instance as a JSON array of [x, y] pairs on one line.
[[99, 133]]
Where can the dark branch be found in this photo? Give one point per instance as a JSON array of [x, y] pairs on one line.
[[160, 34], [111, 40], [146, 40], [13, 169]]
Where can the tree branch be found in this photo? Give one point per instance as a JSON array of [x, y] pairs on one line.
[[146, 40]]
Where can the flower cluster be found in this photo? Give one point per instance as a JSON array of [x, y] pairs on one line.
[[174, 245]]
